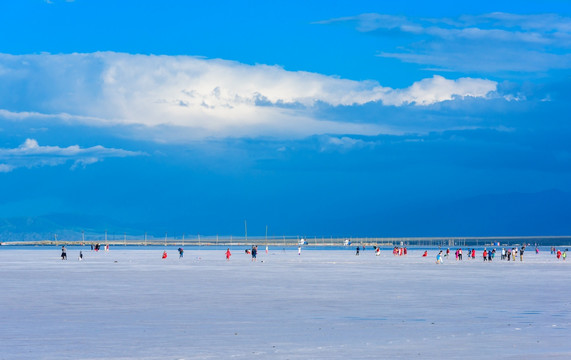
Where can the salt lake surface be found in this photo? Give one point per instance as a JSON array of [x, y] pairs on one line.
[[322, 304]]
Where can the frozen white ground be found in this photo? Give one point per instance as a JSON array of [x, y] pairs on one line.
[[324, 304]]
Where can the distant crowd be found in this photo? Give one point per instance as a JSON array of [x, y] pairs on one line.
[[487, 255]]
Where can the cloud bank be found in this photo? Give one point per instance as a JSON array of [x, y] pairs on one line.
[[487, 43], [203, 97], [31, 154]]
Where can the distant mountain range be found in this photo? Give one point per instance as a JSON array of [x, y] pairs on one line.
[[512, 214]]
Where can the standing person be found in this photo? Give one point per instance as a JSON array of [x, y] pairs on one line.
[[448, 252], [514, 254], [357, 253], [254, 252], [485, 255], [558, 254], [80, 256], [564, 255], [63, 253], [299, 250], [228, 254], [439, 257], [521, 253], [460, 254], [180, 252]]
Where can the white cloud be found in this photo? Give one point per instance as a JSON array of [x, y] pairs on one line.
[[6, 168], [344, 143], [202, 98], [438, 89], [31, 154]]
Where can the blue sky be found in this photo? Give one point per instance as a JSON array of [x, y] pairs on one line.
[[314, 118]]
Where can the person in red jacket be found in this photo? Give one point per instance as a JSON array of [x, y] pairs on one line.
[[228, 254], [485, 255], [164, 254], [473, 253], [425, 254]]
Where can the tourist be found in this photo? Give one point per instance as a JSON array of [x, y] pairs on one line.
[[254, 252], [439, 257]]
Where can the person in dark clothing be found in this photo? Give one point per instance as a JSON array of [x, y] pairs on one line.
[[254, 252]]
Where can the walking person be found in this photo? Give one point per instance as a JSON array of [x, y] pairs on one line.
[[439, 257], [63, 253], [228, 254], [180, 252]]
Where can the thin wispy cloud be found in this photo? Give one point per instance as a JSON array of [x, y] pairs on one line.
[[488, 43], [204, 97], [31, 154]]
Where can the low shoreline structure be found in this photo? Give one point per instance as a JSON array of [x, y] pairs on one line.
[[309, 241]]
